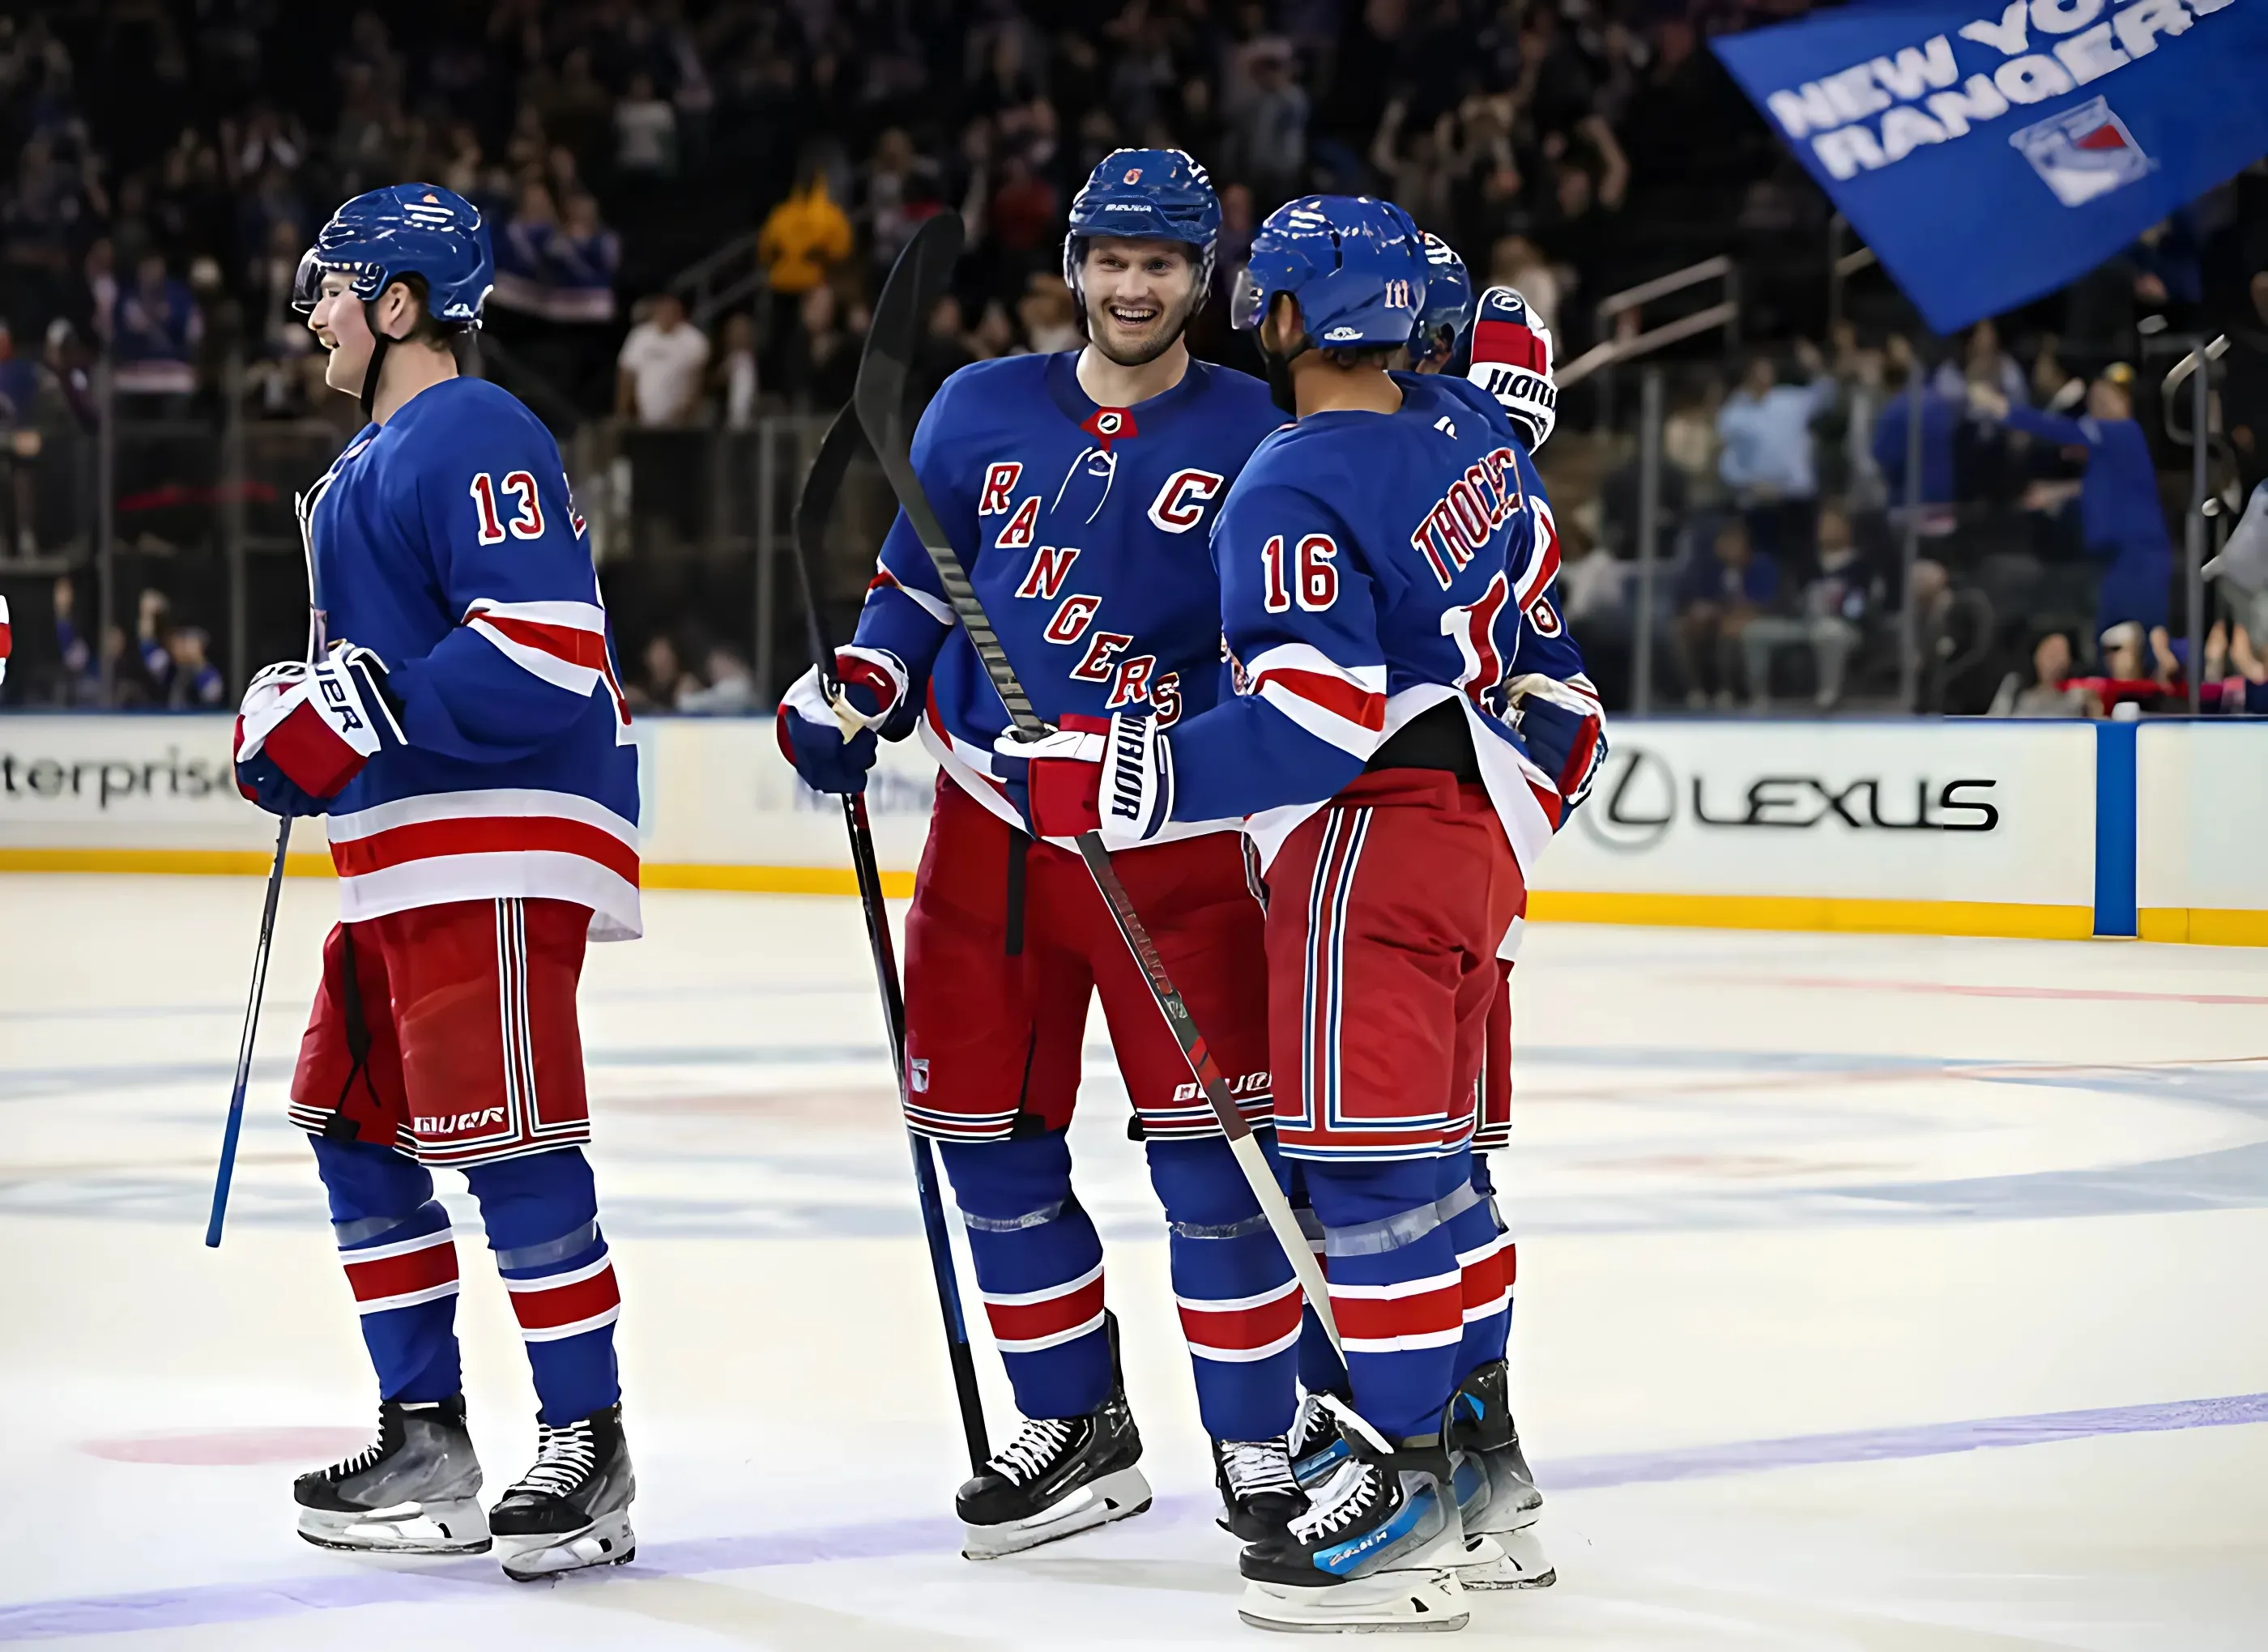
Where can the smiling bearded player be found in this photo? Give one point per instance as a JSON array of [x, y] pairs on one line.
[[1078, 490]]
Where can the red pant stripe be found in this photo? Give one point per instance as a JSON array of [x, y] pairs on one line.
[[1242, 1329], [389, 1276], [1028, 1321], [566, 1304]]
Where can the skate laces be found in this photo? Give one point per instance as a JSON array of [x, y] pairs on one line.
[[1253, 1466], [347, 1468], [1351, 1493], [1035, 1449], [564, 1458], [1313, 1428]]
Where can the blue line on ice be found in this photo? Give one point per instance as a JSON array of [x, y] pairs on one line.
[[884, 1539]]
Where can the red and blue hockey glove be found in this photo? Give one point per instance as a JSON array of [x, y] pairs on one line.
[[4, 639], [305, 732], [1512, 361], [1055, 781], [832, 743], [1563, 732], [1114, 774]]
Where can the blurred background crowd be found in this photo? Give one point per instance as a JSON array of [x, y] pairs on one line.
[[693, 204]]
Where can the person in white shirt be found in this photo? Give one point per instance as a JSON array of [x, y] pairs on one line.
[[660, 366]]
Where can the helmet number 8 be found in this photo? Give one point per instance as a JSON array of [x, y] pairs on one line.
[[1315, 580]]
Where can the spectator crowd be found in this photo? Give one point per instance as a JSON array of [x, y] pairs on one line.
[[693, 202]]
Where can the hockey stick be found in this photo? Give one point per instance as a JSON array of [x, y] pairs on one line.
[[879, 397], [817, 503], [226, 1173]]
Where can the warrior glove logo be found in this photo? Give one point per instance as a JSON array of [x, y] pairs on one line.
[[2083, 152]]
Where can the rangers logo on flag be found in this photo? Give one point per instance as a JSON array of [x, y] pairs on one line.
[[2083, 152]]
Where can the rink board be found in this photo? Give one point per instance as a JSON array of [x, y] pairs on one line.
[[2044, 830]]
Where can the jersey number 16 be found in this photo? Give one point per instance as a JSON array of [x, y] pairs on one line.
[[1315, 580]]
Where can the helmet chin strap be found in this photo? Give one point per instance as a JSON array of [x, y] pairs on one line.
[[380, 343]]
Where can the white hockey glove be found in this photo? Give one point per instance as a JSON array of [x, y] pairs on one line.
[[1137, 780], [318, 725], [2243, 559], [1512, 361]]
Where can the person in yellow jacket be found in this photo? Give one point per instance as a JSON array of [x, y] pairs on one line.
[[803, 238]]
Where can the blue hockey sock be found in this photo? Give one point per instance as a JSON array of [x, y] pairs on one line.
[[1039, 1265], [1484, 1256], [401, 1261], [1238, 1301], [1396, 1287], [541, 1213], [1322, 1371]]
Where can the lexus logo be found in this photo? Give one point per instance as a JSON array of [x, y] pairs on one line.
[[1638, 798]]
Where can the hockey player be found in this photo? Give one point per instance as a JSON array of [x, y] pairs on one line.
[[461, 728], [1078, 489], [1375, 559]]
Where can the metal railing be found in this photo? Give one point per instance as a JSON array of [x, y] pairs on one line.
[[1841, 265], [2203, 519], [1618, 324], [725, 279]]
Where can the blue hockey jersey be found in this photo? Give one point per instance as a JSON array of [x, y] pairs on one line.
[[445, 540], [1084, 530], [1372, 566]]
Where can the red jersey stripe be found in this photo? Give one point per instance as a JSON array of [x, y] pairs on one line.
[[488, 835], [586, 648], [1335, 694]]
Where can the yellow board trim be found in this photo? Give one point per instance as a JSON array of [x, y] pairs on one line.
[[2195, 925], [2011, 919], [2203, 926]]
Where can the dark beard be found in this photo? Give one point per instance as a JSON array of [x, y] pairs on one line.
[[1279, 377]]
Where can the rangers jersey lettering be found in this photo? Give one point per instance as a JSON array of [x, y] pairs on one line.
[[1084, 530]]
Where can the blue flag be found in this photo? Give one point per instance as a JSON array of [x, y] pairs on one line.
[[1989, 154]]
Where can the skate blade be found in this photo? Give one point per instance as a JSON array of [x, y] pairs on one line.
[[1118, 1496], [606, 1541], [1500, 1514], [1506, 1559], [454, 1527], [1384, 1603]]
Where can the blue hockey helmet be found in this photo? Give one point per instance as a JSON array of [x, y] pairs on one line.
[[419, 230], [1145, 195], [1449, 308], [1355, 264]]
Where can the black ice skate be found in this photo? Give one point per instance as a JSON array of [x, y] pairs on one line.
[[1377, 1549], [1059, 1475], [414, 1490], [1257, 1491], [1497, 1499], [1317, 1448], [573, 1509]]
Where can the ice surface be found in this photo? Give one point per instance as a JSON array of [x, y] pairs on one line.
[[1868, 1290]]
